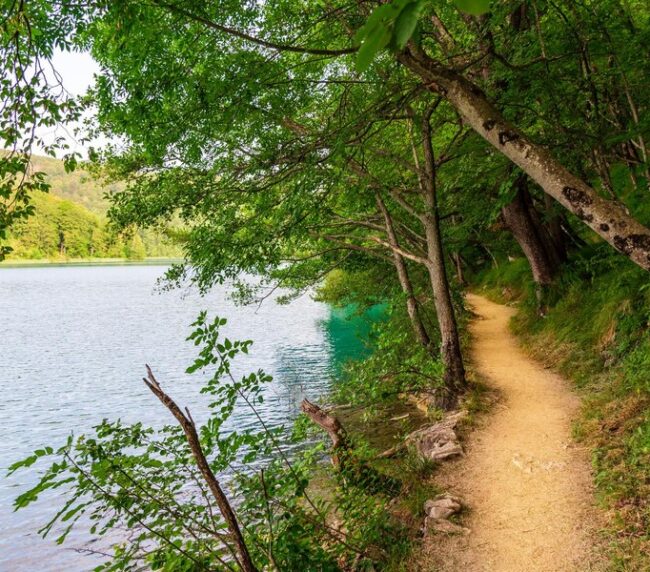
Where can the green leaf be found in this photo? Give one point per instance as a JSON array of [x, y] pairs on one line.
[[473, 7], [27, 462], [406, 23], [375, 22], [369, 49]]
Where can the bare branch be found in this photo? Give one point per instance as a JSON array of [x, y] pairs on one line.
[[189, 428]]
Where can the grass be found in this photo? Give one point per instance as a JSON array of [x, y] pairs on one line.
[[597, 333]]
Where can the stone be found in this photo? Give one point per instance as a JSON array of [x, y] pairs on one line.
[[438, 510], [442, 507], [438, 441]]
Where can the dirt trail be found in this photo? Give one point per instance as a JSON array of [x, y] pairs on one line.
[[527, 486]]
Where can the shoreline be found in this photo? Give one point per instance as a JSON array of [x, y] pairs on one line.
[[42, 262]]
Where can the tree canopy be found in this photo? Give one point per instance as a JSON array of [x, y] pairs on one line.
[[293, 138]]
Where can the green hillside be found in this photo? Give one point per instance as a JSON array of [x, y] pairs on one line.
[[70, 222], [78, 186]]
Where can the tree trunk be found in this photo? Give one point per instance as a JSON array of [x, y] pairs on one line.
[[61, 242], [555, 227], [457, 259], [455, 382], [412, 308], [450, 350], [606, 217], [533, 238]]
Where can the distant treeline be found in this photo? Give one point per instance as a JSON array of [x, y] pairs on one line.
[[63, 229], [70, 222]]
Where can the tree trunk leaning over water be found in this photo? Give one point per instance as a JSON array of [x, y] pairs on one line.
[[606, 217]]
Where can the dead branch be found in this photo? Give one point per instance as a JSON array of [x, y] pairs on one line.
[[352, 470], [331, 425], [187, 424]]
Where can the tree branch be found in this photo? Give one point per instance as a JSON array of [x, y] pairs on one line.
[[189, 428], [253, 39]]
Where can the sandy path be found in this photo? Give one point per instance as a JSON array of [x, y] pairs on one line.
[[527, 486]]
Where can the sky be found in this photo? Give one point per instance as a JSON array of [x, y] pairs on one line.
[[76, 70]]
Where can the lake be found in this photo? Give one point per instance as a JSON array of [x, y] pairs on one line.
[[74, 343]]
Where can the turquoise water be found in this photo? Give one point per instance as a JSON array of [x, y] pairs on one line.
[[74, 344]]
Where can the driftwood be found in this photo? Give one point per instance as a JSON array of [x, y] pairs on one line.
[[331, 425], [187, 423]]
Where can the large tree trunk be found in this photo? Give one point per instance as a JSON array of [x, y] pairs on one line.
[[606, 217], [554, 221], [405, 280], [534, 239]]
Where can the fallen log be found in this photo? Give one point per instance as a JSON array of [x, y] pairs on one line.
[[352, 470]]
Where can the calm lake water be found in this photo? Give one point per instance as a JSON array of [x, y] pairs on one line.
[[72, 352]]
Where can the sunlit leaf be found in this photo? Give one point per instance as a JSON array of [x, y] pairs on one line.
[[473, 7]]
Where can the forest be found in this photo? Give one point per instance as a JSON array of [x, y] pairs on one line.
[[456, 162], [69, 222]]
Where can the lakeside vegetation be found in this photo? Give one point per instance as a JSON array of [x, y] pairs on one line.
[[397, 153]]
